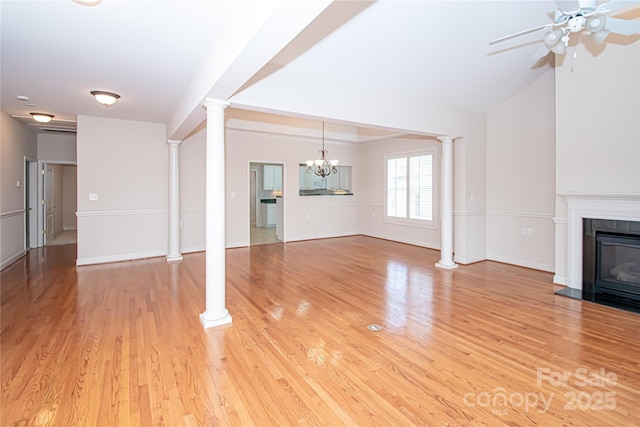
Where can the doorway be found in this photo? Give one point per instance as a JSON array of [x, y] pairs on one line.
[[59, 196], [266, 216]]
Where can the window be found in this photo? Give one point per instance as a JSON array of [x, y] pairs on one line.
[[410, 187]]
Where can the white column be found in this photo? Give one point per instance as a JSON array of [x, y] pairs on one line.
[[174, 201], [446, 205], [215, 312]]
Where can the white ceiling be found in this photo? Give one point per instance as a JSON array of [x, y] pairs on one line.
[[149, 52]]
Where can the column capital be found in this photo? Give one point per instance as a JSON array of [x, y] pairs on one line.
[[174, 141], [212, 103], [446, 138]]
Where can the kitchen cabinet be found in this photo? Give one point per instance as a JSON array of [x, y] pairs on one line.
[[272, 215], [334, 184], [272, 177]]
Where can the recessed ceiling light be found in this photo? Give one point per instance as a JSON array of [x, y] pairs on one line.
[[22, 98], [105, 98], [42, 117]]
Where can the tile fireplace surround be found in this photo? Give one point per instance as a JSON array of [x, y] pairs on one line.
[[614, 207]]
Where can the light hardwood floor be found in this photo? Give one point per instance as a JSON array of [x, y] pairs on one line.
[[486, 344]]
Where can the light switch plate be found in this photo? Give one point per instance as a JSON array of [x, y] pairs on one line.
[[93, 196]]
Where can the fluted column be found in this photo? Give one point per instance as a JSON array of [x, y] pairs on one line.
[[215, 312], [446, 205], [174, 201]]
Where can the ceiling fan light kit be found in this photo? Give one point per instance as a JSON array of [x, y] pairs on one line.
[[584, 15]]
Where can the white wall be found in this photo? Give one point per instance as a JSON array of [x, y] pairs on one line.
[[470, 199], [305, 217], [267, 139], [192, 193], [54, 148], [373, 224], [598, 130], [69, 197], [126, 164], [521, 177], [598, 125], [16, 142]]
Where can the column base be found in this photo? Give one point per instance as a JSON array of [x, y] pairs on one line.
[[207, 322], [171, 258], [444, 266]]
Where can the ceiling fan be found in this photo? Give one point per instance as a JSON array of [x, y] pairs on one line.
[[573, 16]]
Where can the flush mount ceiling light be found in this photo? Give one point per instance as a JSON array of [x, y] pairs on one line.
[[87, 2], [105, 98], [42, 117], [323, 166]]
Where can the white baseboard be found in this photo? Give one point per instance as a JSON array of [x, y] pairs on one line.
[[74, 227], [521, 263], [231, 245], [560, 280], [468, 260], [319, 236], [120, 257], [421, 243], [192, 249], [12, 259]]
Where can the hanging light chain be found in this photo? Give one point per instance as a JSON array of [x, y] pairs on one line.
[[322, 167]]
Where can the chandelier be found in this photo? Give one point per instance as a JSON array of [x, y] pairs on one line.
[[322, 167]]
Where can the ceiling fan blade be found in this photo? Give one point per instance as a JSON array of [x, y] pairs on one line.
[[530, 30], [541, 53], [587, 4], [612, 5], [568, 5], [622, 26]]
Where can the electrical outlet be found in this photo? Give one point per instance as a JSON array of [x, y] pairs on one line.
[[93, 196], [529, 232], [523, 231]]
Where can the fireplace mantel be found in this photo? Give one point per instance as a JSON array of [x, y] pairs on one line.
[[623, 207]]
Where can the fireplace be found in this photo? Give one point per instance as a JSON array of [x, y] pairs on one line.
[[611, 262], [615, 220]]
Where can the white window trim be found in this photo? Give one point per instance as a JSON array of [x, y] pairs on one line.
[[435, 175]]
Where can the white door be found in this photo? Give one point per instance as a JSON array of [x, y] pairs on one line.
[[31, 189], [49, 203], [252, 196]]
